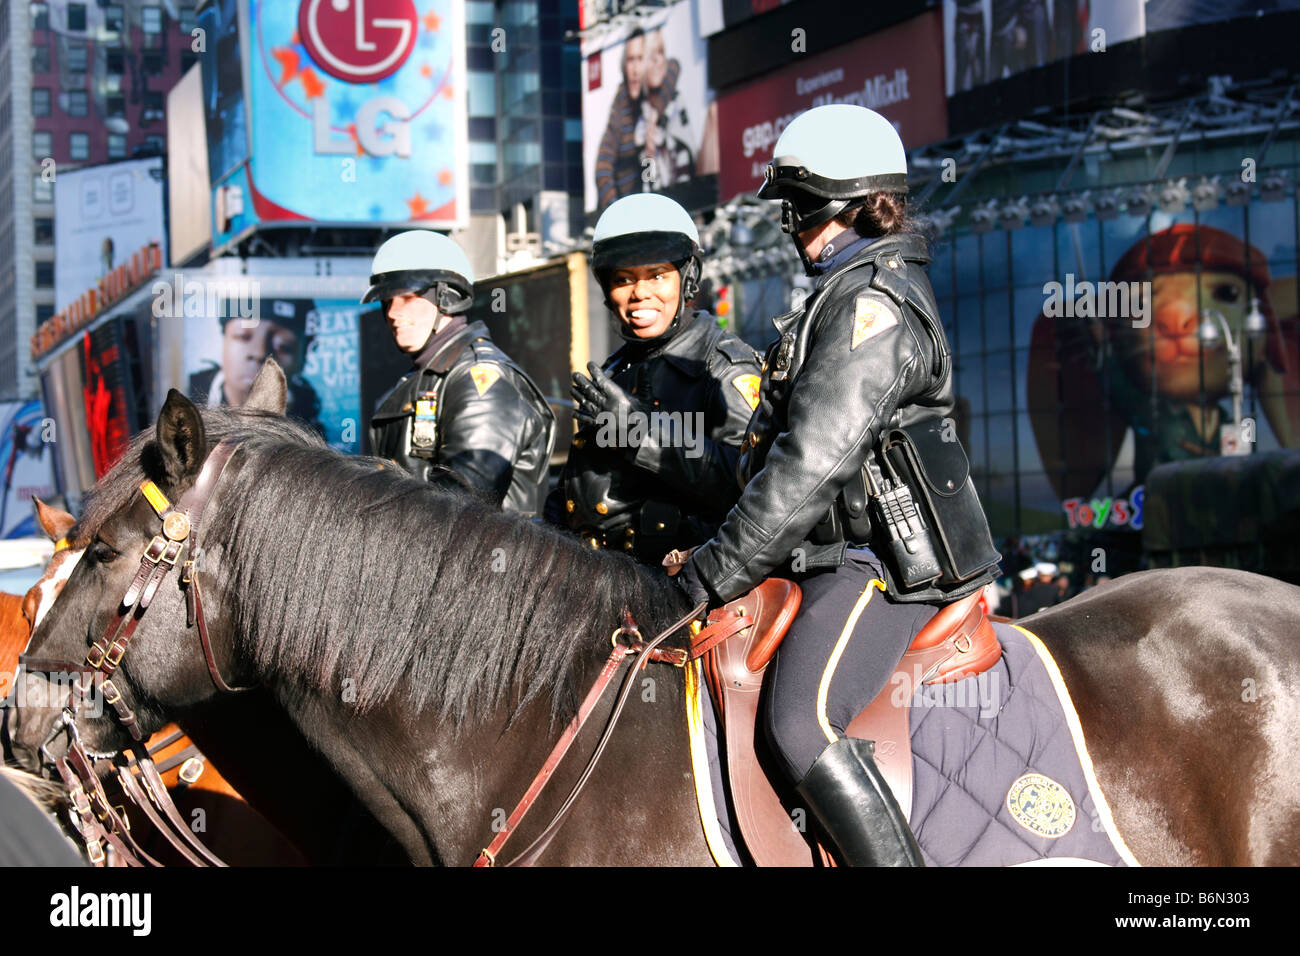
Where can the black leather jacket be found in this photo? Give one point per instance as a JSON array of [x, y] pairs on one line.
[[490, 424], [665, 494], [865, 354]]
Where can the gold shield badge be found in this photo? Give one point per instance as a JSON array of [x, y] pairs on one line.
[[484, 377], [747, 385], [871, 316], [1041, 805]]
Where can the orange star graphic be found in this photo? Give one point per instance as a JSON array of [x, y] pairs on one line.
[[426, 71], [311, 85], [432, 21], [352, 131], [444, 177], [448, 92], [419, 205], [294, 38], [288, 59]]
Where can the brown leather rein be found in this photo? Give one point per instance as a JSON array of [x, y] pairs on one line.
[[100, 824], [627, 642]]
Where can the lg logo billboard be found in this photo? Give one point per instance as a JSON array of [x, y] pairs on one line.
[[361, 42]]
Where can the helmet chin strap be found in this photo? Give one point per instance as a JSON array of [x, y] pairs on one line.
[[792, 224]]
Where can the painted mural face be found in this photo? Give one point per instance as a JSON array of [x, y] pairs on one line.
[[1173, 336]]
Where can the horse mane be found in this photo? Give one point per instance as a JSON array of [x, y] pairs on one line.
[[362, 581]]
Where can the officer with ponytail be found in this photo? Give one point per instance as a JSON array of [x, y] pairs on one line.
[[465, 407], [856, 481], [653, 465]]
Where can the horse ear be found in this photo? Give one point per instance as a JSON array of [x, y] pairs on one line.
[[182, 443], [270, 392], [55, 522]]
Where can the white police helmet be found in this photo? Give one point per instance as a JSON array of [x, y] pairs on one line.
[[644, 229], [422, 262], [829, 156]]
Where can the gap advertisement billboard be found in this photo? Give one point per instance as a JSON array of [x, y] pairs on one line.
[[892, 72], [357, 115]]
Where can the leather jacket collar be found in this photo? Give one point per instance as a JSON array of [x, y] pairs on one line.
[[685, 349], [441, 351], [906, 245]]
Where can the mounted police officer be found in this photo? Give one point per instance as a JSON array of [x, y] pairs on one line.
[[856, 480], [653, 466], [464, 406]]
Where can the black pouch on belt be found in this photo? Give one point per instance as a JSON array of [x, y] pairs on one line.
[[929, 459]]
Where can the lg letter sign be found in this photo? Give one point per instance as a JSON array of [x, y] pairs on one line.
[[358, 41]]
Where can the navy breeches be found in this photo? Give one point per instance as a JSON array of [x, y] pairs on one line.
[[841, 649]]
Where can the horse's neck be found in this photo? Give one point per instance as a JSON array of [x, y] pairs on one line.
[[444, 796]]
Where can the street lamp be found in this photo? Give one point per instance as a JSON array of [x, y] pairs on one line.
[[1211, 322]]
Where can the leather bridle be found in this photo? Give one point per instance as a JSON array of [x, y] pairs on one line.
[[98, 822]]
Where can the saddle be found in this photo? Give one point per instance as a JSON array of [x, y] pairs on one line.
[[738, 642]]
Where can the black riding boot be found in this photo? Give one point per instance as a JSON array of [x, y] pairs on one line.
[[856, 808]]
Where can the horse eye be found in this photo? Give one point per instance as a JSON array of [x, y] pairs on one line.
[[102, 553]]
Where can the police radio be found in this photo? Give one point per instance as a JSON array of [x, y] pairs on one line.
[[906, 534]]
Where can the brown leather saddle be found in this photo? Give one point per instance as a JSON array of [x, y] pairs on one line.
[[957, 642]]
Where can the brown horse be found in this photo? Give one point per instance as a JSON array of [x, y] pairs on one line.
[[435, 683]]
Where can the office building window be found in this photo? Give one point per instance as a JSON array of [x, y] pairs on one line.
[[79, 145], [77, 17], [45, 275], [115, 62], [77, 103], [188, 20], [151, 64], [44, 312], [41, 58], [44, 227], [42, 144], [116, 146], [40, 101], [155, 144], [151, 19], [40, 16], [115, 106], [76, 58], [42, 189], [113, 17]]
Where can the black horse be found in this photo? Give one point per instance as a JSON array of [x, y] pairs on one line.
[[432, 649]]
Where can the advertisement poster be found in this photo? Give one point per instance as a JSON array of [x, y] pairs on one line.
[[105, 215], [988, 40], [27, 458], [224, 109], [315, 341], [106, 394], [358, 113], [647, 115], [1082, 360], [891, 72]]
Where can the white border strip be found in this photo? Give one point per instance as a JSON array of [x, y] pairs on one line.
[[700, 767], [1081, 748]]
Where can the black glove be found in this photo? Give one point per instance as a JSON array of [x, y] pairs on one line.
[[601, 395], [688, 579]]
